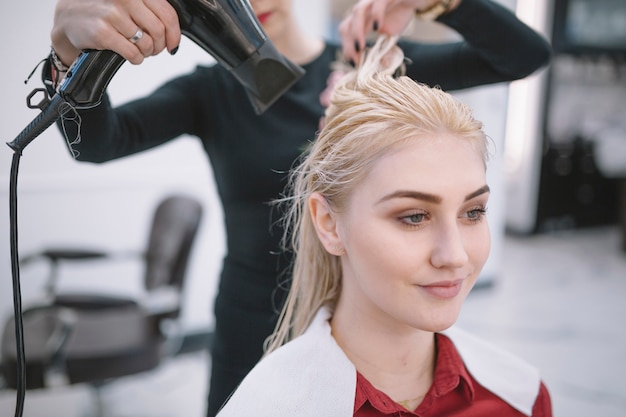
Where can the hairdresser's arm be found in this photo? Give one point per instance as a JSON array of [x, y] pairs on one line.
[[108, 24], [496, 45], [104, 133]]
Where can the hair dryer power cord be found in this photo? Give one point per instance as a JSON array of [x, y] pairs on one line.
[[51, 111], [17, 292]]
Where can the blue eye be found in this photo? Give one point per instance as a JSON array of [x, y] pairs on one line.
[[413, 219], [476, 214]]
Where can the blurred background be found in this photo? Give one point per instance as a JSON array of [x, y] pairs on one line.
[[552, 291]]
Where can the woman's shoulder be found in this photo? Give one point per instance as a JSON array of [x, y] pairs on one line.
[[309, 376]]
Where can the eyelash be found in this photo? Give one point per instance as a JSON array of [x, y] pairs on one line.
[[406, 220], [479, 212]]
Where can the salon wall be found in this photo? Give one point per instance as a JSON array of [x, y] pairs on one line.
[[65, 203]]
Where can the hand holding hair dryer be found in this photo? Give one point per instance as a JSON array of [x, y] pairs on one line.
[[226, 29]]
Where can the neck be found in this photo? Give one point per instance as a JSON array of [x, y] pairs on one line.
[[297, 46], [398, 361]]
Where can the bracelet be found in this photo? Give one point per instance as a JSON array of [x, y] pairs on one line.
[[57, 69], [434, 12], [59, 66]]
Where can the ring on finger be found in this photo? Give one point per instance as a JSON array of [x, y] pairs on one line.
[[137, 36]]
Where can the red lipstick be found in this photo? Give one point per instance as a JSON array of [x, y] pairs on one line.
[[262, 18]]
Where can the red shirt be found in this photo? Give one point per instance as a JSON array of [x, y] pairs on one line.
[[454, 393]]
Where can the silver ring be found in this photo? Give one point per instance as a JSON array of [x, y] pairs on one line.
[[137, 36]]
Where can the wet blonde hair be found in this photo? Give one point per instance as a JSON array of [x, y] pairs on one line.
[[372, 110]]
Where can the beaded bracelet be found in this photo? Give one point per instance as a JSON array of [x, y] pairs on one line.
[[58, 64], [57, 69]]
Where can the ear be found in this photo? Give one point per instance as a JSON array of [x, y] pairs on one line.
[[325, 223]]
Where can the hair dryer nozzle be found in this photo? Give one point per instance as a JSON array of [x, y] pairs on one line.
[[229, 31], [266, 75]]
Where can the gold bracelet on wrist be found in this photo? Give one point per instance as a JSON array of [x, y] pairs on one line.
[[434, 12]]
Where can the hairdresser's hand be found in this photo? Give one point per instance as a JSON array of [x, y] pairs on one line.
[[390, 17], [109, 24]]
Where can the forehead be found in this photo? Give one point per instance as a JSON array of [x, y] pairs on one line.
[[433, 164]]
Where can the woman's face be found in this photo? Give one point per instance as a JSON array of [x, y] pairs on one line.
[[273, 15], [415, 235]]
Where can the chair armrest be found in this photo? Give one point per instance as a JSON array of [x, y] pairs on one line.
[[53, 256], [56, 254], [161, 301]]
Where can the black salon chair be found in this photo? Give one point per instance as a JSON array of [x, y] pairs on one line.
[[92, 338]]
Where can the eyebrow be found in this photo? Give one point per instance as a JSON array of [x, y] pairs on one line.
[[482, 190], [431, 198]]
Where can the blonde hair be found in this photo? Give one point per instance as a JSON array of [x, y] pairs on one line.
[[372, 110]]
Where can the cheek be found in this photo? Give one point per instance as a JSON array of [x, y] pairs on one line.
[[377, 250], [480, 246], [364, 243]]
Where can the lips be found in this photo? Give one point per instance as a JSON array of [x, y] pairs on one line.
[[443, 289], [262, 17]]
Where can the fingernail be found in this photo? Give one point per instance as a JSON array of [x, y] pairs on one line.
[[357, 47], [173, 51], [375, 25]]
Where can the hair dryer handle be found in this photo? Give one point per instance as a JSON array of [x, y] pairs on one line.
[[83, 87], [88, 77]]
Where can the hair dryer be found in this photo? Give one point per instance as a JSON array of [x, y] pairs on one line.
[[226, 29], [229, 31]]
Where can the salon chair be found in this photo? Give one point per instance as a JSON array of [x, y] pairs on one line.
[[93, 338]]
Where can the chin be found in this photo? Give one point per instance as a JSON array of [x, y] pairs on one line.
[[441, 321], [439, 327]]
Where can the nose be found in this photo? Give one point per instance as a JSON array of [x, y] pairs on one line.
[[449, 247]]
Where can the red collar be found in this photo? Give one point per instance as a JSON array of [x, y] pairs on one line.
[[450, 376]]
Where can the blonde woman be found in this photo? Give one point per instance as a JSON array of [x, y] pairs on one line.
[[387, 219]]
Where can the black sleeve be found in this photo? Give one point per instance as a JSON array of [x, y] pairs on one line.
[[496, 47], [104, 133]]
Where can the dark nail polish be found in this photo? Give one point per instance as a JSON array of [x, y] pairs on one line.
[[173, 51], [357, 47], [375, 26]]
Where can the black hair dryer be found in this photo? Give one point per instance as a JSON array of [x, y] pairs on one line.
[[229, 31], [226, 29]]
